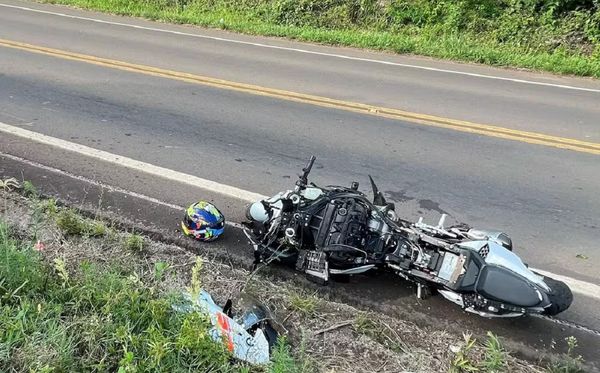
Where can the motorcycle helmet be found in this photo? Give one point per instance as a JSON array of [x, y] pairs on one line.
[[203, 221]]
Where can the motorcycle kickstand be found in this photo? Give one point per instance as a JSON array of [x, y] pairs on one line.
[[424, 291]]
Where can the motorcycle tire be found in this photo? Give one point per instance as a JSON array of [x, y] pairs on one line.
[[561, 296]]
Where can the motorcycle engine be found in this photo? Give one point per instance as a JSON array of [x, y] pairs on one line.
[[340, 228]]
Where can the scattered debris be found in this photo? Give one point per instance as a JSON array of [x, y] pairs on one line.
[[248, 335], [334, 327]]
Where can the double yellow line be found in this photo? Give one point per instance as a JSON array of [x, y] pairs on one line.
[[422, 119]]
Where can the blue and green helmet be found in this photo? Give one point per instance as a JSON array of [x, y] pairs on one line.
[[203, 221]]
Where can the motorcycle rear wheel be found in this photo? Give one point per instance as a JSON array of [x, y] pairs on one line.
[[561, 296]]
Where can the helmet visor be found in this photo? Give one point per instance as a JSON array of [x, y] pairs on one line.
[[190, 223]]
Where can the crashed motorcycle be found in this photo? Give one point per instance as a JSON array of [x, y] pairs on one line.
[[336, 231]]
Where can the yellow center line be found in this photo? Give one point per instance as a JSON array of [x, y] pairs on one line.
[[422, 119]]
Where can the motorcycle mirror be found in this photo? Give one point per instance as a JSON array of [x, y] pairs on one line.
[[303, 178], [378, 198]]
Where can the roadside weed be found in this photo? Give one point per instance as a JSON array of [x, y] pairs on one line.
[[364, 324], [69, 222], [282, 360], [95, 229], [29, 190], [72, 224], [304, 361], [369, 325], [134, 243], [49, 206], [9, 184], [462, 362], [196, 282], [61, 270], [159, 270], [304, 304], [20, 271], [569, 362], [495, 355]]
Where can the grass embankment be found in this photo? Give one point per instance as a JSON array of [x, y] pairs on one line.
[[561, 36], [81, 315], [78, 295], [54, 320]]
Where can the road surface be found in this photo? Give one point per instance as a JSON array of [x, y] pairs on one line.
[[217, 106]]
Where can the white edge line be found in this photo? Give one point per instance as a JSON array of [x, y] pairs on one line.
[[581, 287], [165, 173], [577, 286], [108, 187], [305, 51]]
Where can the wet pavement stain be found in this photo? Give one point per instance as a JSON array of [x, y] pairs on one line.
[[430, 205], [399, 196]]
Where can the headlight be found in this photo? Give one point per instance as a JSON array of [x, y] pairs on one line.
[[257, 212]]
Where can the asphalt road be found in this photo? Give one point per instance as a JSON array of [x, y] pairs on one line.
[[545, 198], [535, 193], [398, 82]]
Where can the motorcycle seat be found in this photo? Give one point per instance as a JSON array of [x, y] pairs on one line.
[[499, 284]]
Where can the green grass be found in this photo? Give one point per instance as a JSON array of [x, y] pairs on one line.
[[306, 305], [495, 356], [462, 362], [49, 206], [365, 324], [90, 320], [283, 362], [559, 36], [57, 317], [134, 243], [29, 190], [72, 224]]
